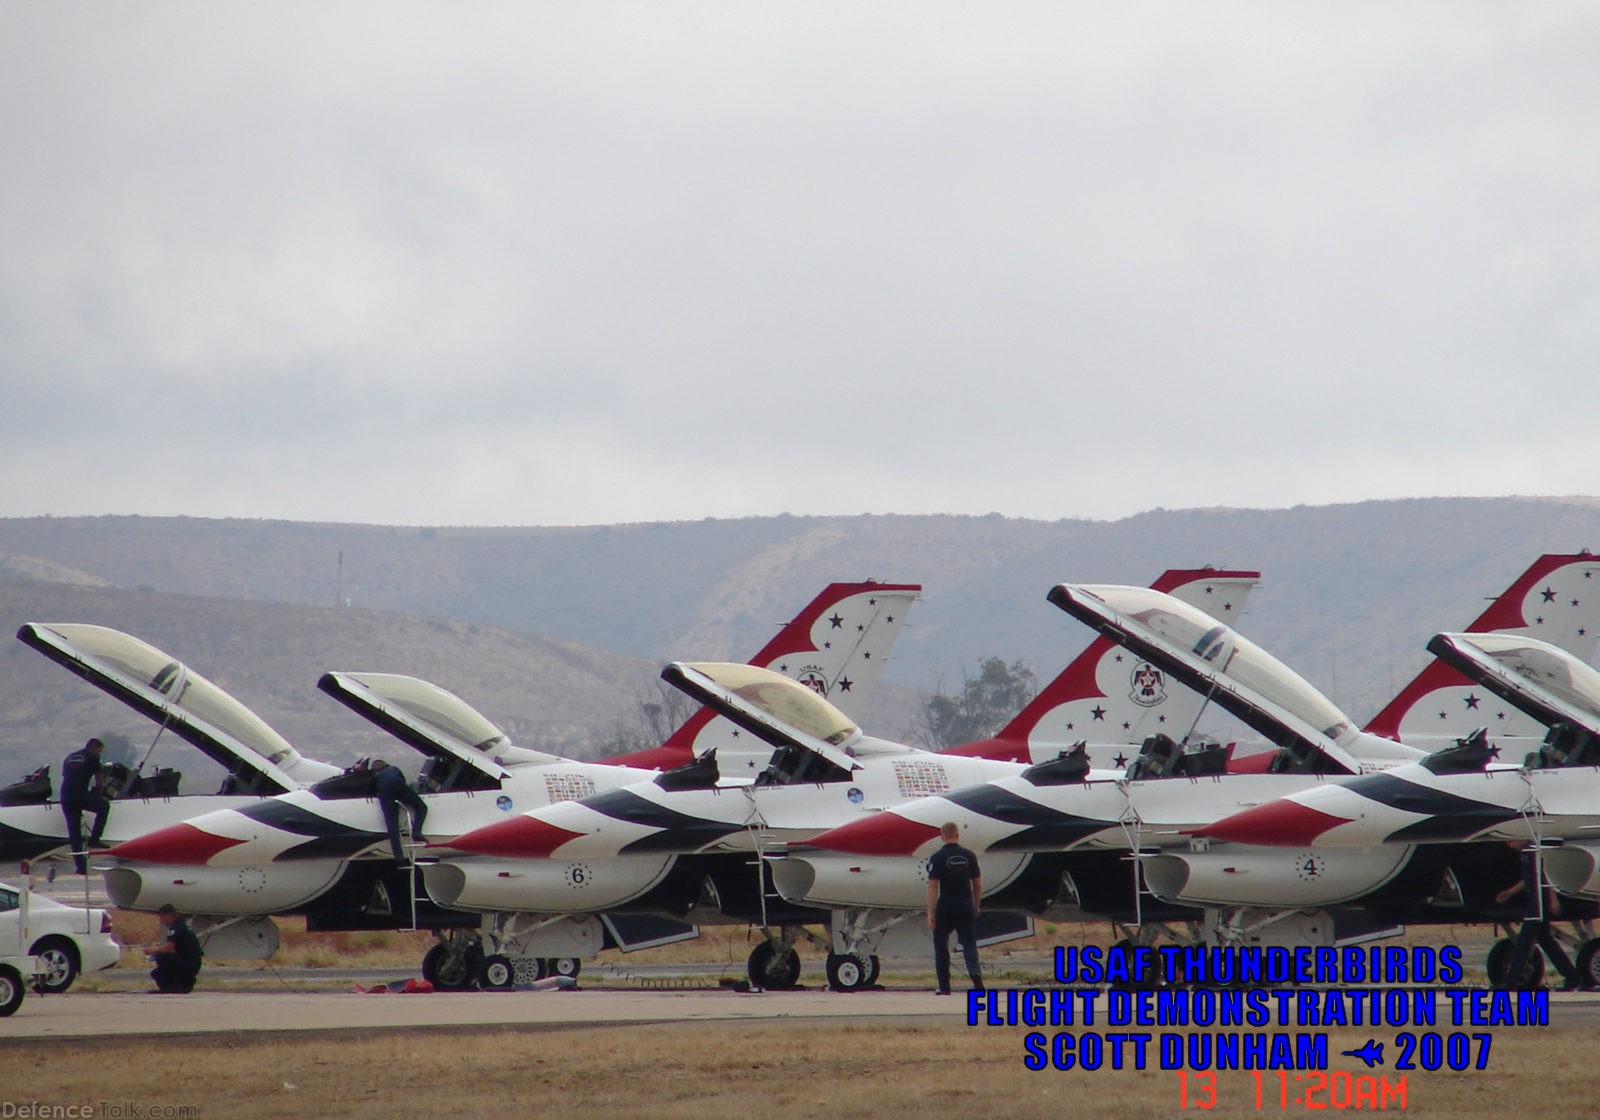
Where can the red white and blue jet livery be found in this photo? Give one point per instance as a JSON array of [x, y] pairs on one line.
[[1289, 896], [1051, 808], [724, 809], [259, 761], [1466, 792], [476, 775], [821, 770], [326, 838]]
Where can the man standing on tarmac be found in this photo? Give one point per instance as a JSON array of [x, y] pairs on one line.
[[955, 887], [80, 791]]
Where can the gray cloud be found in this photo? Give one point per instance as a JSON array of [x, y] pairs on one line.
[[507, 263]]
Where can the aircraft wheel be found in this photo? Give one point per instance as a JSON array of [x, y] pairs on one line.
[[450, 975], [496, 972], [11, 989], [1588, 963], [1499, 967], [873, 965], [774, 965], [564, 966], [847, 972], [60, 961], [1498, 960]]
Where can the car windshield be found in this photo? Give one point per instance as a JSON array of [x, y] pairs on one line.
[[1196, 634]]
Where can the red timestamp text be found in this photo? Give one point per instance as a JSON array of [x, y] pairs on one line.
[[1315, 1091]]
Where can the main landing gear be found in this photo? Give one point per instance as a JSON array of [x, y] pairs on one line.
[[774, 963], [458, 964]]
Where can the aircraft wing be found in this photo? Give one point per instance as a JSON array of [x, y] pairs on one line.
[[159, 686], [808, 733], [1535, 677], [470, 751], [1231, 671]]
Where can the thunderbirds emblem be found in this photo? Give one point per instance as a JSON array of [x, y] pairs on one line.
[[813, 678], [1149, 685]]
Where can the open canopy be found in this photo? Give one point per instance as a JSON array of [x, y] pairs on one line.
[[1547, 682], [467, 750], [1233, 672], [169, 692]]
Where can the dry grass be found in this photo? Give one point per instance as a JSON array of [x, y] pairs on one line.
[[717, 1071]]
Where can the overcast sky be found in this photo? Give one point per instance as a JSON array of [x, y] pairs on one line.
[[586, 262]]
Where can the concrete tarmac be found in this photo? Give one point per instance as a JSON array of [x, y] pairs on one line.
[[80, 1015], [109, 1016]]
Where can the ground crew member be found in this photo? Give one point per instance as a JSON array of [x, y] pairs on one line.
[[393, 792], [80, 790], [1540, 905], [177, 960], [955, 887]]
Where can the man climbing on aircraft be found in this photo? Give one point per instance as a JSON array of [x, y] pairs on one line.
[[81, 790], [955, 886], [1540, 905], [393, 792]]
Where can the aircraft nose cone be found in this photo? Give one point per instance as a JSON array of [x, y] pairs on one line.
[[882, 834], [176, 843], [1286, 824], [517, 838]]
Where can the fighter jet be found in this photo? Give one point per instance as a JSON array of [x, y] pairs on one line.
[[1467, 792], [1041, 812], [1448, 814], [1243, 894], [475, 776]]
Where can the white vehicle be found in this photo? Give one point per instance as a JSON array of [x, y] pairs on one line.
[[66, 939]]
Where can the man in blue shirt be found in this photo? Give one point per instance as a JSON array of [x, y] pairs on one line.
[[80, 790], [955, 887]]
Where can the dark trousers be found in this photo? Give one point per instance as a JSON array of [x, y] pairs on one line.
[[391, 817], [1537, 929], [174, 975], [74, 811], [962, 922]]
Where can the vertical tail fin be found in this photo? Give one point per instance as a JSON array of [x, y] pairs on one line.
[[1108, 695], [1556, 600], [836, 645]]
